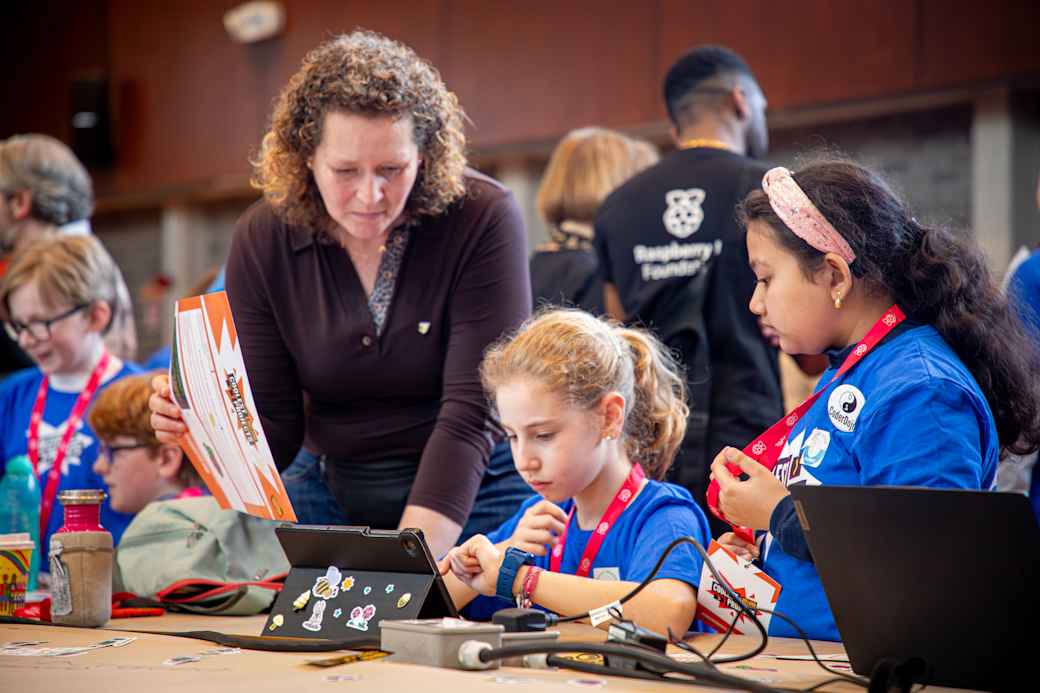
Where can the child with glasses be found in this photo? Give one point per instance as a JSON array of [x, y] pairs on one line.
[[56, 301], [135, 466]]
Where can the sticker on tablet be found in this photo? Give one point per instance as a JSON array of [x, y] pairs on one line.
[[359, 617], [313, 624]]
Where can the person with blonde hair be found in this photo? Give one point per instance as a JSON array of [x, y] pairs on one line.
[[368, 282], [584, 168], [56, 303], [595, 413], [44, 189]]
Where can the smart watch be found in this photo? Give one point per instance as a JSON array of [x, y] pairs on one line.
[[514, 558]]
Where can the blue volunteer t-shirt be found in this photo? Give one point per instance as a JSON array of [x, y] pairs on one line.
[[909, 414], [661, 513], [17, 397]]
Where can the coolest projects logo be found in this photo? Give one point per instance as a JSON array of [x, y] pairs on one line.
[[844, 407]]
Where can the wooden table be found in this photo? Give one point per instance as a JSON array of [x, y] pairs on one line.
[[138, 667]]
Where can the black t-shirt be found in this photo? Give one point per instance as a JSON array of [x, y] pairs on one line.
[[669, 241], [566, 277]]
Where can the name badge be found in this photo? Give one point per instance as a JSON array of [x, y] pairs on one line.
[[756, 590]]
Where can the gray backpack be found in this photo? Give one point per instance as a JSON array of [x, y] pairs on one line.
[[191, 555]]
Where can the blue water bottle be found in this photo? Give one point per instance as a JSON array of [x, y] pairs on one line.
[[20, 507]]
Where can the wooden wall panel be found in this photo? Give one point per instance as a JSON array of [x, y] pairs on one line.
[[529, 71], [191, 105], [186, 94], [805, 52], [46, 43], [965, 41]]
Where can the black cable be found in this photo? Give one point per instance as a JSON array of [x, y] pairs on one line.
[[718, 578], [859, 680], [585, 667], [729, 632], [651, 659], [683, 645]]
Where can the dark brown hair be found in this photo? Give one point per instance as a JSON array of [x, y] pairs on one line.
[[935, 276]]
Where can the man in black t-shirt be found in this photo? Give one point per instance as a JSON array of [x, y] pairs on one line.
[[673, 259]]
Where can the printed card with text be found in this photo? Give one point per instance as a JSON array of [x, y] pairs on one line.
[[756, 590], [225, 442]]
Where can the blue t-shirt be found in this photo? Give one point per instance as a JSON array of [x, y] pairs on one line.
[[17, 396], [1024, 292], [909, 414], [661, 513]]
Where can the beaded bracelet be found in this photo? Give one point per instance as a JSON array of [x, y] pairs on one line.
[[523, 600]]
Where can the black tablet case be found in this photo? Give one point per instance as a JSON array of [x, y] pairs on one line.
[[374, 559]]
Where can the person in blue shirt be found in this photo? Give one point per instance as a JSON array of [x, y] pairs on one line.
[[588, 407], [55, 301], [935, 403]]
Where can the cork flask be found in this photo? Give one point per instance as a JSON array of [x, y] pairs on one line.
[[81, 562]]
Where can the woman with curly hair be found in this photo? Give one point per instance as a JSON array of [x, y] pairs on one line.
[[365, 287]]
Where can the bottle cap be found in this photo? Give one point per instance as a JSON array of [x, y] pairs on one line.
[[82, 497], [19, 465]]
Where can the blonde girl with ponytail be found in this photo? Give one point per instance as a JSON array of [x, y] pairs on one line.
[[595, 413]]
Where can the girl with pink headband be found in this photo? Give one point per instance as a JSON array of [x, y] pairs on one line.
[[931, 379]]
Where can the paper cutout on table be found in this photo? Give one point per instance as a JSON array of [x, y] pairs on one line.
[[276, 622], [390, 588], [403, 600], [300, 603], [359, 617], [348, 583], [317, 616], [367, 590], [225, 440]]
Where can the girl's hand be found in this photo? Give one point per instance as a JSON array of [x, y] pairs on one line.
[[166, 417], [749, 503], [475, 564], [743, 549], [539, 528]]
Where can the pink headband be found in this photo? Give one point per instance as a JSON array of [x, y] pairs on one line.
[[796, 210]]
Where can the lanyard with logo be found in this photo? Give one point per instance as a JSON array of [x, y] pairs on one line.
[[71, 426], [617, 506], [765, 449]]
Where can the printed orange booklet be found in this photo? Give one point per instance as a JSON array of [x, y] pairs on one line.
[[225, 440]]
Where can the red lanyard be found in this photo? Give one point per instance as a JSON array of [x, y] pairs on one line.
[[627, 491], [765, 449], [71, 426]]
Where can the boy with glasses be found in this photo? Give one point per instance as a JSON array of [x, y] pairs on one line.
[[56, 302], [135, 466]]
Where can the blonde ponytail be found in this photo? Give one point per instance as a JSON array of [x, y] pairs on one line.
[[582, 358]]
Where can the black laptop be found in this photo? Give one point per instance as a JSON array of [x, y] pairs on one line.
[[948, 576]]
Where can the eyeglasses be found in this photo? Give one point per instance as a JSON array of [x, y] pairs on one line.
[[39, 330], [109, 451]]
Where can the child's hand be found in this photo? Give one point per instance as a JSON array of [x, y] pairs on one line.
[[539, 528], [475, 564], [743, 549], [166, 417], [749, 503]]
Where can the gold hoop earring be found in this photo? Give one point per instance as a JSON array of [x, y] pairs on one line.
[[837, 303]]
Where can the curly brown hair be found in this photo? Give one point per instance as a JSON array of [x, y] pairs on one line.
[[368, 74]]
